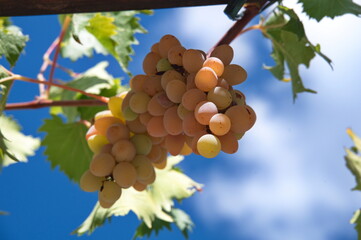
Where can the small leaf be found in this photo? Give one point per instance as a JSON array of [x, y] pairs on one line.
[[182, 221], [356, 219], [4, 89], [157, 225], [329, 8], [66, 147], [353, 161]]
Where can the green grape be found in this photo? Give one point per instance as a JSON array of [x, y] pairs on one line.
[[163, 65], [152, 85], [110, 192], [174, 144], [220, 124], [206, 79], [216, 64], [129, 115], [136, 83], [154, 107], [142, 143], [192, 60], [204, 111], [224, 53], [220, 96], [124, 174], [123, 150], [155, 127], [150, 63], [102, 124], [167, 42], [90, 183], [229, 143], [191, 126], [96, 142], [143, 167], [169, 76], [115, 107], [139, 102], [136, 126], [116, 132], [175, 90], [175, 55], [102, 164], [172, 122], [234, 74], [192, 97], [239, 116], [208, 146]]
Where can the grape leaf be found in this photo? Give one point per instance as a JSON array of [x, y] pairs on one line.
[[66, 147], [329, 8], [105, 33], [148, 205], [4, 89], [12, 41], [291, 47], [356, 219], [353, 160], [14, 145]]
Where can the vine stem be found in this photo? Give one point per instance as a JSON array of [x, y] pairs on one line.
[[40, 103]]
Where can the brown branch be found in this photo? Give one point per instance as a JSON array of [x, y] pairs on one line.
[[50, 103]]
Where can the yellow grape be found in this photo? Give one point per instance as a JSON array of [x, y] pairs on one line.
[[220, 96], [154, 107], [102, 164], [152, 85], [91, 131], [239, 116], [190, 81], [154, 154], [155, 127], [172, 122], [116, 132], [175, 55], [102, 124], [208, 146], [90, 183], [167, 42], [136, 83], [103, 114], [204, 111], [169, 76], [96, 142], [220, 124], [129, 115], [161, 164], [195, 141], [136, 126], [143, 144], [192, 97], [150, 63], [182, 111], [174, 144], [110, 192], [139, 102], [191, 126], [163, 65], [186, 150], [124, 150], [139, 186], [192, 60], [216, 64], [143, 166], [144, 118], [124, 174], [155, 48], [224, 53], [229, 143], [175, 90], [234, 74], [115, 106], [206, 79]]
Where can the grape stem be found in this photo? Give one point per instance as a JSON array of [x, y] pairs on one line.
[[40, 103]]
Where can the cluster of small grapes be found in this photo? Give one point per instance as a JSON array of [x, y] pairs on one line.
[[188, 101], [123, 157]]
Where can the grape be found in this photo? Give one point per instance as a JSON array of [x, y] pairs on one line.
[[156, 140], [102, 164], [90, 183], [238, 97], [96, 142], [136, 126], [124, 150], [175, 90], [161, 164], [208, 146], [150, 63], [175, 55], [129, 115], [115, 107], [204, 111], [139, 186], [155, 48], [252, 117], [136, 83], [238, 135], [144, 118], [164, 100], [126, 99], [103, 114], [192, 60], [190, 81], [220, 124], [107, 148], [139, 102], [224, 53], [223, 83], [220, 96], [143, 167], [195, 141], [154, 154], [182, 111], [192, 97], [142, 143], [167, 42], [174, 144], [191, 126], [206, 79], [124, 174], [239, 117], [163, 65], [172, 122], [186, 150], [229, 143], [169, 76], [91, 131], [116, 132], [234, 74], [155, 127], [216, 64], [150, 179], [154, 107], [152, 85], [102, 124], [110, 192], [103, 203]]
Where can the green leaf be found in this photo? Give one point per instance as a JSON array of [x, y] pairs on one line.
[[329, 8], [291, 47], [356, 219], [12, 41], [66, 147], [4, 89], [353, 160], [14, 145], [148, 205]]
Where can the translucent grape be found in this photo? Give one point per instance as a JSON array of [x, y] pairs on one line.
[[129, 115], [223, 83], [116, 132], [139, 102], [229, 143], [124, 174], [206, 79], [136, 83], [220, 96], [142, 143], [192, 97], [234, 74], [192, 60], [208, 146], [90, 183], [156, 140], [175, 90], [154, 107], [190, 81], [150, 63], [251, 117], [163, 65], [163, 100], [224, 53], [186, 150], [182, 111], [155, 48], [238, 97], [220, 124], [155, 127], [136, 126], [161, 164], [204, 111], [172, 122], [123, 150], [91, 131], [144, 118], [115, 107], [107, 148], [191, 126], [152, 85], [139, 186], [110, 192], [195, 141], [103, 203], [154, 154], [96, 142], [150, 179], [102, 164], [216, 64], [239, 117], [126, 99], [102, 124], [103, 114], [167, 42], [175, 55], [143, 167], [174, 144], [169, 76]]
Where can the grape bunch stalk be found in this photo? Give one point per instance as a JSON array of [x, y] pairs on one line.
[[183, 103]]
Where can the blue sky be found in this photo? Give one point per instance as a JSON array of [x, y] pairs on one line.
[[288, 180]]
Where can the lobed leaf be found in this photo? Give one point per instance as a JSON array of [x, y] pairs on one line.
[[353, 160]]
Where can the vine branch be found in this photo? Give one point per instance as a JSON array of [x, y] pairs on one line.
[[50, 103]]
